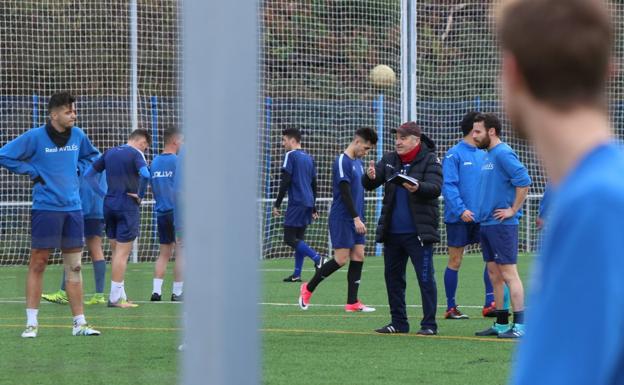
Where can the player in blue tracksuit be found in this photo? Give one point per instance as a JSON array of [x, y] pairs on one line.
[[93, 214], [127, 177], [503, 187], [53, 156], [462, 171], [163, 170], [299, 180], [347, 227], [560, 102]]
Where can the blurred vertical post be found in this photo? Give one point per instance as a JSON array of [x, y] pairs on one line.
[[219, 197]]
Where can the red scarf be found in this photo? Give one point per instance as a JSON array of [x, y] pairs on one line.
[[410, 156]]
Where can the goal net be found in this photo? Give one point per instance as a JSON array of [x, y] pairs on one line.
[[103, 52], [315, 60]]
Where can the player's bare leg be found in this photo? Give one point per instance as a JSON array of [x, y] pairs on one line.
[[118, 271], [34, 280], [73, 287], [178, 280], [160, 268], [516, 289]]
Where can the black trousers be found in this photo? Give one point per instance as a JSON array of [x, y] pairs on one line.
[[292, 235], [397, 249]]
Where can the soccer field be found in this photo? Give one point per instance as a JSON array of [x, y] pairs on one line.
[[323, 345]]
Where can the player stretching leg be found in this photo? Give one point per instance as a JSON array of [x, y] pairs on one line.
[[127, 177], [299, 179], [163, 174], [51, 155], [346, 222]]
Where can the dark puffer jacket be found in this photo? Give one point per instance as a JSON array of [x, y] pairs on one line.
[[423, 203]]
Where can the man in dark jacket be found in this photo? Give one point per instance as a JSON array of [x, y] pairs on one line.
[[408, 225]]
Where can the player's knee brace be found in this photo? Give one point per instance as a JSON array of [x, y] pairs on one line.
[[72, 264]]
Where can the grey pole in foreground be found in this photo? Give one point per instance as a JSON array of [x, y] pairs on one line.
[[219, 103]]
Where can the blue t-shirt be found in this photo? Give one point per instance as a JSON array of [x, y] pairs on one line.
[[122, 165], [462, 172], [178, 184], [34, 154], [401, 221], [92, 203], [501, 173], [351, 171], [300, 165], [163, 171], [580, 269]]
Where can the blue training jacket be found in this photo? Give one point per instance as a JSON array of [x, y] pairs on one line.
[[92, 202], [580, 269], [501, 173], [163, 173], [462, 171], [34, 154]]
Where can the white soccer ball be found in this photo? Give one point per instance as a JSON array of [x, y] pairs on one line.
[[382, 76]]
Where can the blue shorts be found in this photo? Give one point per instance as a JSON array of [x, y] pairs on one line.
[[298, 216], [93, 227], [57, 229], [122, 225], [499, 243], [462, 234], [166, 229], [343, 235]]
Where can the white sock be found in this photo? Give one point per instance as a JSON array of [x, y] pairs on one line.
[[124, 296], [31, 317], [115, 293], [157, 286], [177, 288], [79, 320]]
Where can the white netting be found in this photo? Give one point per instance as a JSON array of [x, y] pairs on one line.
[[315, 60], [84, 47]]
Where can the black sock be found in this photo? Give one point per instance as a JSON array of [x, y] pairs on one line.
[[518, 317], [324, 272], [502, 317], [353, 281]]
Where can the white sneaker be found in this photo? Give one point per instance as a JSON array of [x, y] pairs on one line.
[[84, 330], [30, 332]]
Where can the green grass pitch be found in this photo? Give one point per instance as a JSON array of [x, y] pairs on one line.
[[323, 345]]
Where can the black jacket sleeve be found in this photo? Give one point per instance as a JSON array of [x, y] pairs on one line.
[[431, 183], [283, 188], [347, 199], [380, 177]]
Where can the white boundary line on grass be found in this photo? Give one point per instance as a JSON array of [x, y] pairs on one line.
[[21, 300]]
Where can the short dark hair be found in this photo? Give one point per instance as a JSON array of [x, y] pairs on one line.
[[60, 99], [140, 132], [170, 134], [467, 122], [368, 134], [562, 48], [489, 121], [293, 133]]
